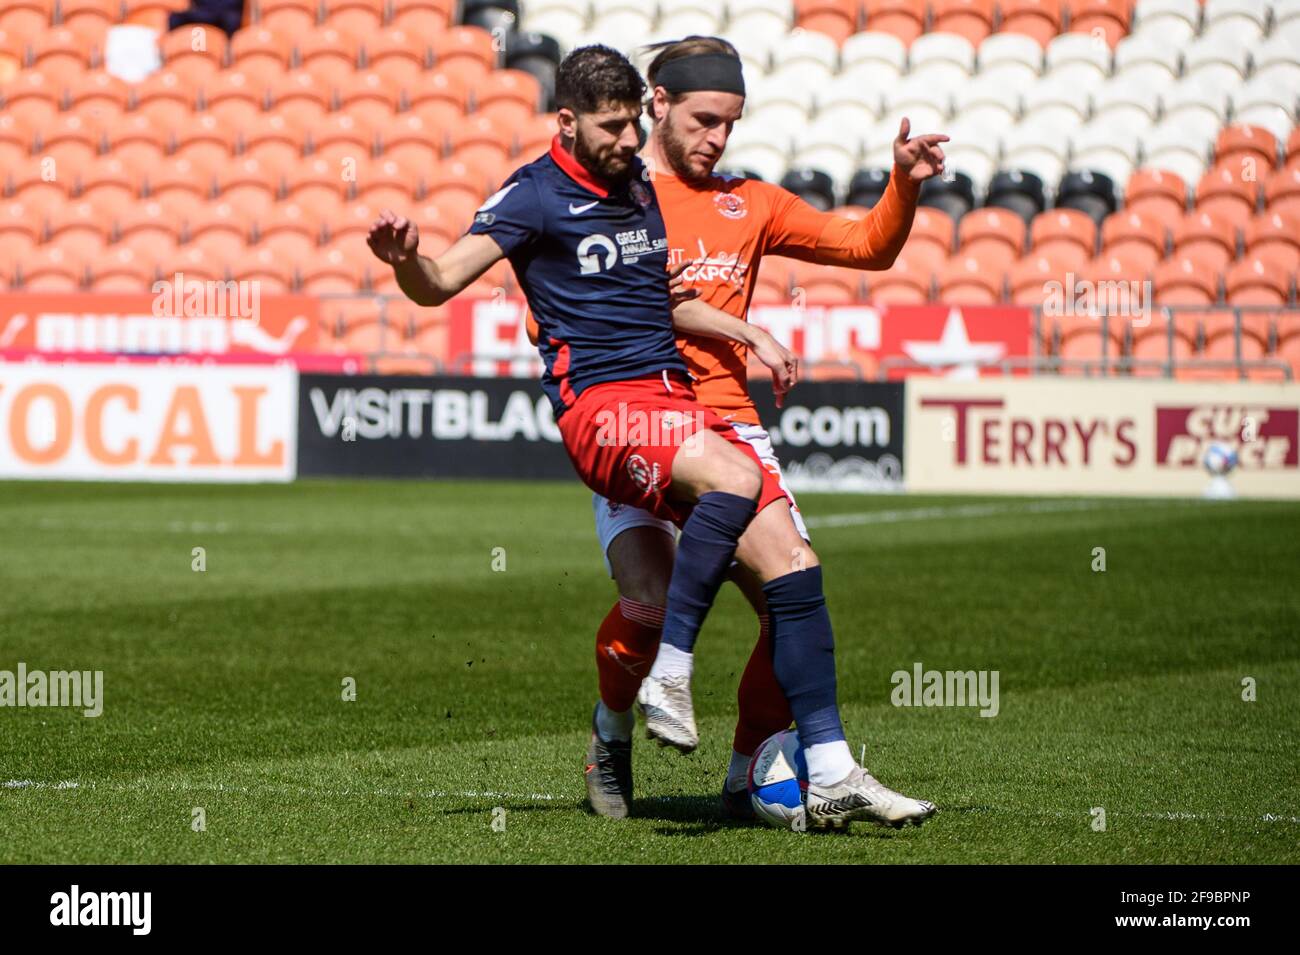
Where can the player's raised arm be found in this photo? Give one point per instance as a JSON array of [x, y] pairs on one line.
[[396, 240], [873, 242]]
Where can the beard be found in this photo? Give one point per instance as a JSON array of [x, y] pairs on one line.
[[678, 154], [614, 168]]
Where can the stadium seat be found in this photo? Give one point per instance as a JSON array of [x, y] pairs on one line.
[[260, 53], [904, 19], [1257, 281], [270, 264], [120, 269], [271, 141], [1224, 191], [836, 19], [1219, 62], [195, 53], [1185, 281], [31, 100], [1146, 62], [99, 97], [1026, 280], [1040, 20], [994, 236], [970, 280], [220, 231], [1282, 191], [300, 98], [904, 283], [291, 228], [955, 195], [466, 52], [931, 239], [235, 97], [1276, 236], [508, 97], [1207, 236], [1131, 235], [1089, 192], [289, 17], [1067, 237]]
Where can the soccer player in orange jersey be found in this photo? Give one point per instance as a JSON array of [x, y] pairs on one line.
[[723, 226]]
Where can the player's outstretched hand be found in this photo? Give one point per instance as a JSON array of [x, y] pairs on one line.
[[393, 238], [920, 157], [780, 361], [677, 290]]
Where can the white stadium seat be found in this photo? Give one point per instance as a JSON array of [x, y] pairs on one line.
[[1146, 61], [941, 61], [1002, 49], [681, 18], [767, 22], [1242, 20], [1107, 147], [1168, 146], [1119, 100], [1171, 21], [800, 46], [562, 19], [846, 101], [1077, 58], [1057, 102], [988, 100], [1278, 58], [1037, 149], [876, 51], [1220, 61], [1263, 102], [1197, 104], [974, 149]]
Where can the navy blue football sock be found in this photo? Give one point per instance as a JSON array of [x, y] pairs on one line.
[[803, 653], [704, 553]]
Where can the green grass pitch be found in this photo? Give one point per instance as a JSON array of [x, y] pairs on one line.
[[223, 689]]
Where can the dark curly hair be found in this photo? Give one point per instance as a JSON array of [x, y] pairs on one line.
[[592, 76]]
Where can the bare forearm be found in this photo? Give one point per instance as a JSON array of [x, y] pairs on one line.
[[418, 277], [696, 318]]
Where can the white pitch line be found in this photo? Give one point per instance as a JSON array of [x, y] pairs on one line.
[[901, 515], [550, 797]]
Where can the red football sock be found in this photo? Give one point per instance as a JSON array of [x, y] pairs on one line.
[[762, 703], [626, 645]]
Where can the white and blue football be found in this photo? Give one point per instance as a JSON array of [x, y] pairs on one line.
[[778, 781], [1220, 459]]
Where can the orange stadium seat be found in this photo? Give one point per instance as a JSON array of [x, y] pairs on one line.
[[90, 19], [1185, 281], [71, 142], [196, 66], [1157, 193], [1238, 143], [972, 19], [1027, 279], [1111, 17], [152, 13], [838, 19], [205, 141], [931, 238], [1282, 191], [1153, 344], [235, 97], [1257, 281], [385, 183], [290, 17], [995, 236], [480, 141], [25, 19], [165, 97], [327, 54], [408, 139], [247, 185], [534, 137], [60, 52], [220, 232], [32, 99], [904, 19], [98, 96], [1275, 235], [333, 270], [194, 262], [109, 186], [291, 228], [354, 132], [508, 97], [969, 280], [464, 51], [301, 99], [78, 229], [271, 141], [139, 142], [824, 285], [315, 180], [1224, 191], [271, 264], [120, 269], [358, 17], [1131, 234], [1067, 236], [1207, 236], [1038, 19], [174, 175], [439, 96], [398, 56], [439, 225], [51, 268], [903, 283], [150, 224], [261, 53], [364, 88]]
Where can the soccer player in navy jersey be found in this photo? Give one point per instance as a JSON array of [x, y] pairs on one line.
[[582, 229]]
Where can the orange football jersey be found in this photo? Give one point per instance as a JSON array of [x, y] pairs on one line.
[[729, 224]]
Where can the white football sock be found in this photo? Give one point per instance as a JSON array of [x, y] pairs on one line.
[[672, 662], [612, 725], [738, 772], [828, 763]]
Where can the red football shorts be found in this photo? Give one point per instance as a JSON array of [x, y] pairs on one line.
[[623, 436]]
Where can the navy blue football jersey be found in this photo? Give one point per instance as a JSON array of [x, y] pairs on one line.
[[593, 266]]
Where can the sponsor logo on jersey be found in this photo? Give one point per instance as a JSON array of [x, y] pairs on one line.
[[640, 194], [642, 474], [590, 251], [730, 205]]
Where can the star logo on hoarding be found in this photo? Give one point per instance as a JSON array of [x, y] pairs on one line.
[[954, 350]]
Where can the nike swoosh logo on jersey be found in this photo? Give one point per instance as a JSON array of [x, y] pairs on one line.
[[577, 210]]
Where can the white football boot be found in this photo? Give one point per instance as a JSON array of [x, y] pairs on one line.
[[668, 712], [861, 797]]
